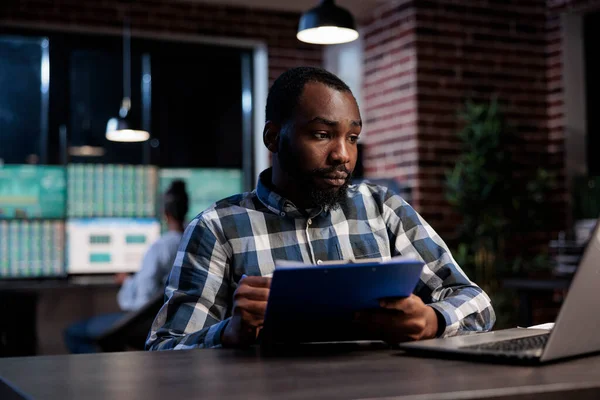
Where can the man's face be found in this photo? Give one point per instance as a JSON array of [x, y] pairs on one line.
[[318, 146]]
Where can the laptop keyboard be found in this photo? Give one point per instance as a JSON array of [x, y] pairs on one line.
[[513, 345]]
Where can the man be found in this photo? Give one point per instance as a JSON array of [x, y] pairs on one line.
[[304, 209]]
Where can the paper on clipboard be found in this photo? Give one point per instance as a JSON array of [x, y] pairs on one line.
[[297, 264]]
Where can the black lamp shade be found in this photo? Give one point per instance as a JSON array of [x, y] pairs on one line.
[[327, 24], [122, 124]]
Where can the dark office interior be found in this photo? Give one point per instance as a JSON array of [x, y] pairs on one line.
[[116, 117]]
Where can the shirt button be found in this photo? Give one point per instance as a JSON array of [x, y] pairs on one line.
[[309, 222], [282, 214]]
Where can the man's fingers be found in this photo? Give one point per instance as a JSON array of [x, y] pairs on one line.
[[251, 319], [404, 304], [257, 308], [250, 299], [251, 293], [256, 281], [389, 319], [390, 325]]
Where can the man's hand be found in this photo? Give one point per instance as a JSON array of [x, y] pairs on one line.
[[249, 306], [121, 277], [400, 320]]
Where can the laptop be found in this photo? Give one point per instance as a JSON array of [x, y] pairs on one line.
[[575, 332]]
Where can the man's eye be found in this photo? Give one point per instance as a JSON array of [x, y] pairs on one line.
[[353, 139], [321, 135]]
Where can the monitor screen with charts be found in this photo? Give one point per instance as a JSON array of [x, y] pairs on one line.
[[114, 191], [31, 249], [204, 185], [109, 245], [32, 191]]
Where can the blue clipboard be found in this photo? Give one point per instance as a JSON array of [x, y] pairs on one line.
[[305, 296]]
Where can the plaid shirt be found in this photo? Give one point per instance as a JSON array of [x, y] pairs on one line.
[[246, 233]]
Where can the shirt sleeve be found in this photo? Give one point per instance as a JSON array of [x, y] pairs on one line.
[[443, 285], [197, 293], [138, 289]]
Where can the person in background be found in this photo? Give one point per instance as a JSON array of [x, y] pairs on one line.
[[140, 288], [304, 209]]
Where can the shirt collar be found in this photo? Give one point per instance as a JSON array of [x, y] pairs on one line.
[[277, 203]]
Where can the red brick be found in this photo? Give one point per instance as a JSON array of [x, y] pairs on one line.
[[462, 49]]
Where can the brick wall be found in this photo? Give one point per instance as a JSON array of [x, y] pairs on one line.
[[444, 52], [558, 6], [276, 29], [389, 93], [476, 49]]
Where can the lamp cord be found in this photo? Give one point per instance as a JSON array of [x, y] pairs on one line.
[[126, 58]]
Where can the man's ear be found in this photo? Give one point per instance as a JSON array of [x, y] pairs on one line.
[[271, 135]]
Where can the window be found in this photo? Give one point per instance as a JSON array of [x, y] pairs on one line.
[[59, 90], [24, 77], [95, 93]]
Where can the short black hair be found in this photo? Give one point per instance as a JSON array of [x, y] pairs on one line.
[[176, 201], [287, 88]]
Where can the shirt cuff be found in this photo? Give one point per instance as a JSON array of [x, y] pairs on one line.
[[125, 296], [446, 313], [213, 336], [441, 322]]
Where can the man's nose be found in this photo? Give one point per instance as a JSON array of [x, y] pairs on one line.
[[340, 153]]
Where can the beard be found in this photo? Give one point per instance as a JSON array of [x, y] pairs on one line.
[[327, 198]]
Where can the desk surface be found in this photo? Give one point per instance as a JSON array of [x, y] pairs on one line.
[[237, 374], [76, 282], [538, 284]]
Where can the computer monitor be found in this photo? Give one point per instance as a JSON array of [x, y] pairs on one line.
[[120, 191], [32, 191], [31, 249], [204, 185], [109, 245]]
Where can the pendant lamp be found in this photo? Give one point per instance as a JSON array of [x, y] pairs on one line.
[[122, 128], [327, 24], [86, 151]]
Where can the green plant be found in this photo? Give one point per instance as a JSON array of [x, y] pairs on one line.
[[476, 187], [493, 203], [586, 197]]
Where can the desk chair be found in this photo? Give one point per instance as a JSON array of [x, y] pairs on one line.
[[131, 331]]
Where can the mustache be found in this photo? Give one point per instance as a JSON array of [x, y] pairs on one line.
[[321, 172]]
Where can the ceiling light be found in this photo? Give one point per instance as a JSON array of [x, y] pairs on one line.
[[122, 129], [327, 24], [86, 151]]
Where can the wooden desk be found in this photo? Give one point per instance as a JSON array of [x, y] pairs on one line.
[[41, 285], [36, 312], [236, 374]]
